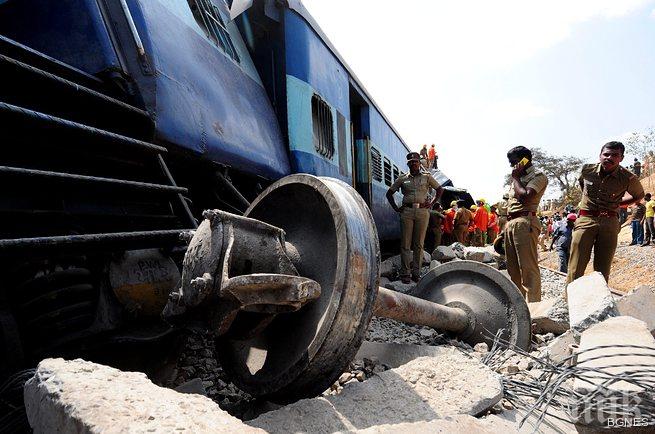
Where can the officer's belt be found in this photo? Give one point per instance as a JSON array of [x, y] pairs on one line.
[[608, 214], [417, 205], [514, 215]]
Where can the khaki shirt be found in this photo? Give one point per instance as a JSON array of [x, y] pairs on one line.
[[604, 193], [463, 216], [414, 188], [531, 179]]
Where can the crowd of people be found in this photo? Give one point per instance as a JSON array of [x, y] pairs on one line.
[[514, 224]]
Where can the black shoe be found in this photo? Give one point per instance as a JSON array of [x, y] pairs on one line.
[[405, 280], [645, 244], [415, 279]]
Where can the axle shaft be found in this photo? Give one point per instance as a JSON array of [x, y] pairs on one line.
[[413, 310]]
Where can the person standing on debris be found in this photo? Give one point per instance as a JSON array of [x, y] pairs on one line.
[[433, 157], [414, 214], [424, 153], [638, 222], [463, 218], [436, 221], [604, 186], [523, 227], [649, 216], [492, 228], [562, 241], [448, 237], [481, 220]]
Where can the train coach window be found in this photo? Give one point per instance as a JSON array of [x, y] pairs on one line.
[[396, 172], [322, 127], [209, 18], [376, 165], [387, 172]]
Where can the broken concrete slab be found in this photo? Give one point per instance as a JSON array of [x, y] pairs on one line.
[[549, 316], [82, 397], [608, 363], [639, 304], [456, 424], [560, 348], [590, 301], [395, 355], [620, 330], [424, 389], [443, 254], [478, 254]]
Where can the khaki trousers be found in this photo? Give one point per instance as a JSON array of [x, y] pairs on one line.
[[437, 236], [413, 225], [521, 236], [599, 233], [460, 233]]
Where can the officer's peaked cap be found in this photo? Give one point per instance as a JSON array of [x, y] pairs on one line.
[[413, 156]]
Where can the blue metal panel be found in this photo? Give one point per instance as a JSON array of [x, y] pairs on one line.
[[311, 61], [304, 158], [204, 101], [386, 140], [72, 31], [386, 219], [316, 165]]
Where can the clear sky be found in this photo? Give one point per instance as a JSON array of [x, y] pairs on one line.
[[478, 77]]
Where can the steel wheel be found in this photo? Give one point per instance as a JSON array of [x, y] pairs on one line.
[[301, 354]]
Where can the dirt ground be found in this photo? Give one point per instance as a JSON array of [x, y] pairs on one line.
[[633, 266]]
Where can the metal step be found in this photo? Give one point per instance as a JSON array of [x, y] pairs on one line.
[[106, 242], [32, 88], [14, 114], [39, 60], [71, 177]]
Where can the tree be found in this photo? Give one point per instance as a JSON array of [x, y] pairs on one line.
[[641, 143], [562, 173]]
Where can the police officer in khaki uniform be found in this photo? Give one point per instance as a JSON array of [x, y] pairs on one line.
[[523, 227], [502, 213], [414, 213], [462, 221], [604, 186]]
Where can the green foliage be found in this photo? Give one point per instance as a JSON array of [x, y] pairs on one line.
[[641, 144]]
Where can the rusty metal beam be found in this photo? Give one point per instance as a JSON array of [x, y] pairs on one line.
[[413, 310]]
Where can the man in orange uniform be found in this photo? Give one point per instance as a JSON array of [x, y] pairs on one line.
[[432, 157], [449, 224], [481, 220], [492, 228]]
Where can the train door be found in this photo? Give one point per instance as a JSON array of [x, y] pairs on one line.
[[359, 142]]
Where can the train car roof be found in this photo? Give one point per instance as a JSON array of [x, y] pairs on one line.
[[298, 7]]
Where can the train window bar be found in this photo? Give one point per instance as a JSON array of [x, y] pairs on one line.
[[322, 127], [387, 172], [396, 172], [208, 15], [376, 164]]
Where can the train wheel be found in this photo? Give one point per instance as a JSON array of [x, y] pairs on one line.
[[301, 354], [492, 298]]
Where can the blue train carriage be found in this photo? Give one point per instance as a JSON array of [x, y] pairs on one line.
[[123, 120], [334, 126]]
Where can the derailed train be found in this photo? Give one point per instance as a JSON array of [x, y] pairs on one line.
[[124, 119]]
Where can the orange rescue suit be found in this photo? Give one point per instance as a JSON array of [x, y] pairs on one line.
[[481, 218]]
